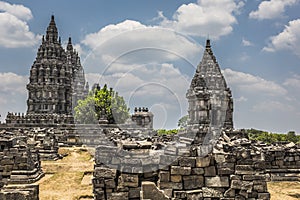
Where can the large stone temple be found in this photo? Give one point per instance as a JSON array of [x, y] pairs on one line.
[[210, 100], [55, 85]]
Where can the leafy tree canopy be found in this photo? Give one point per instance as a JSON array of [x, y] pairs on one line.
[[183, 121], [267, 137], [104, 104]]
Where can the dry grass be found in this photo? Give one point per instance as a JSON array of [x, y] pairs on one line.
[[63, 180], [284, 190], [69, 179]]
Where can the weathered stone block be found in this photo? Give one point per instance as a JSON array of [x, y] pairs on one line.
[[166, 160], [110, 183], [260, 187], [177, 170], [229, 193], [254, 177], [164, 176], [197, 171], [220, 158], [134, 193], [194, 196], [244, 169], [193, 182], [170, 185], [212, 193], [217, 181], [241, 185], [118, 196], [210, 171], [187, 161], [102, 172], [203, 162], [176, 178], [129, 180], [265, 196]]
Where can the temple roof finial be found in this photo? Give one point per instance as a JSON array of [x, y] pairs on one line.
[[208, 43], [52, 34], [70, 46]]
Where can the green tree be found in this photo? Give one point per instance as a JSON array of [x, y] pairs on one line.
[[183, 121], [291, 137], [102, 103]]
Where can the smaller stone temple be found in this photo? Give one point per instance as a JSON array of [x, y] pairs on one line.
[[55, 85], [210, 100], [143, 117]]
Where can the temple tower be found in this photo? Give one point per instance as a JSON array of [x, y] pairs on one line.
[[210, 100], [57, 79]]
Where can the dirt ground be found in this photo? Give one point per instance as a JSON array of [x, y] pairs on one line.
[[284, 190], [70, 179]]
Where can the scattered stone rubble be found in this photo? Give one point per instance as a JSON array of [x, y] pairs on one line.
[[233, 170], [237, 168], [19, 165]]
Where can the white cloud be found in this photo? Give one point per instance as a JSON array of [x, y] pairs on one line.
[[213, 18], [12, 83], [15, 31], [293, 82], [253, 84], [13, 93], [288, 39], [19, 11], [151, 85], [272, 106], [246, 43], [271, 9], [132, 42], [241, 99]]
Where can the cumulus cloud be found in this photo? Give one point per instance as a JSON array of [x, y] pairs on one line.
[[293, 82], [19, 11], [246, 43], [253, 84], [206, 17], [271, 9], [13, 93], [288, 39], [150, 85], [12, 83], [132, 42], [15, 31], [272, 106]]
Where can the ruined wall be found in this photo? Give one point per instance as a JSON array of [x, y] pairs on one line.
[[283, 162], [20, 192], [19, 164], [231, 171]]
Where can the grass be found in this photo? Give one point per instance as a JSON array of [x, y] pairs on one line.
[[284, 190], [63, 180]]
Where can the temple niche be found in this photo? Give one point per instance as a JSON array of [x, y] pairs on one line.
[[210, 100], [56, 83]]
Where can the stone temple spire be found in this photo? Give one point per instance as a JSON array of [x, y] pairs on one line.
[[56, 80], [210, 100], [52, 33], [69, 45]]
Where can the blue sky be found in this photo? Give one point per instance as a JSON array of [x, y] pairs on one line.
[[148, 51]]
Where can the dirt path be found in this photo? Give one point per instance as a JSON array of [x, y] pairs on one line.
[[69, 178], [284, 190]]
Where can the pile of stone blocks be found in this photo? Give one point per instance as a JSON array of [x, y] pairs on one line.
[[283, 162], [233, 170], [19, 167], [20, 192]]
